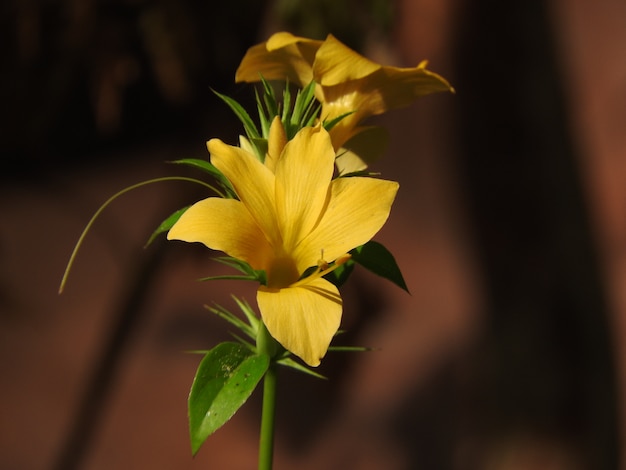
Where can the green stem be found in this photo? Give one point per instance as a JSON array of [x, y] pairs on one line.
[[266, 441], [109, 201]]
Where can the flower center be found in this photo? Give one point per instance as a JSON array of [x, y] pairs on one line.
[[282, 272]]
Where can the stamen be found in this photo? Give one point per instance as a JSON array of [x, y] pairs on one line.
[[322, 264], [322, 272]]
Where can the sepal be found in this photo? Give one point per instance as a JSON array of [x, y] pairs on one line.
[[166, 225], [380, 261], [249, 274], [209, 168]]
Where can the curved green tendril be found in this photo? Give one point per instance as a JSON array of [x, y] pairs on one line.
[[109, 201]]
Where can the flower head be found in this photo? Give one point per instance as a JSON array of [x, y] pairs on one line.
[[346, 81], [290, 215]]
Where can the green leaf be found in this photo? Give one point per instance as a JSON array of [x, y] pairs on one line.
[[289, 362], [233, 320], [249, 313], [242, 266], [340, 275], [208, 167], [286, 104], [226, 377], [328, 125], [269, 97], [305, 99], [261, 147], [349, 349], [380, 261], [228, 277], [263, 118], [203, 165], [166, 225], [242, 114], [362, 173]]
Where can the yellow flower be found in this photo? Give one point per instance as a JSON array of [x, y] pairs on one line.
[[291, 215], [346, 81], [283, 56]]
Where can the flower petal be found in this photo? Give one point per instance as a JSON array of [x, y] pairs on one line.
[[395, 87], [358, 208], [336, 63], [367, 144], [303, 174], [349, 162], [225, 225], [276, 142], [303, 319], [253, 183], [282, 56]]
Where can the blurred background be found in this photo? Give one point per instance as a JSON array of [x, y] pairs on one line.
[[510, 229]]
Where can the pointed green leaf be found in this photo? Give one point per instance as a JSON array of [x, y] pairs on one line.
[[380, 261], [242, 266], [208, 167], [349, 349], [203, 165], [227, 277], [302, 105], [225, 379], [286, 104], [289, 362], [261, 147], [270, 98], [249, 313], [234, 320], [263, 118], [242, 114], [166, 225], [328, 125], [340, 275]]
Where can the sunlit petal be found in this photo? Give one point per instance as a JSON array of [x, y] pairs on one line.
[[303, 174], [348, 162], [303, 319], [367, 145], [283, 56], [225, 225], [275, 143], [253, 183], [358, 208], [336, 63], [283, 39]]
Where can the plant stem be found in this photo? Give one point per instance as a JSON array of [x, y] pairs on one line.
[[266, 441]]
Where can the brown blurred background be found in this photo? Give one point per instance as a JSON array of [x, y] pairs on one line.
[[510, 228]]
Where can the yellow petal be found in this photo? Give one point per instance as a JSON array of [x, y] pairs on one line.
[[282, 56], [303, 319], [253, 183], [276, 142], [384, 89], [336, 63], [225, 225], [245, 144], [348, 162], [396, 87], [283, 39], [358, 208], [303, 175], [363, 148]]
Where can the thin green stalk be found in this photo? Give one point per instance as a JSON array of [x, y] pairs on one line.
[[266, 441], [109, 201]]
